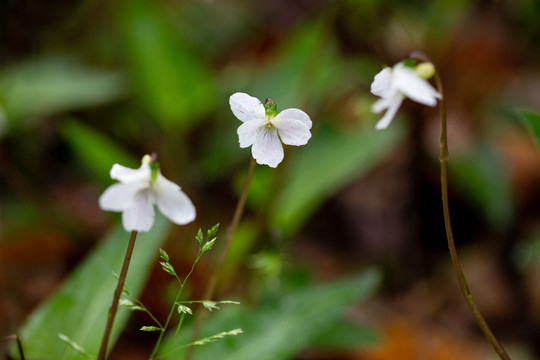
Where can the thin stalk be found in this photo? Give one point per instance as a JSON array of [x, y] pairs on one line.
[[18, 342], [450, 237], [114, 306], [211, 287], [164, 328]]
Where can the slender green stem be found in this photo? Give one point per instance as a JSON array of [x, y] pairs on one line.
[[145, 309], [211, 287], [164, 328], [114, 306], [176, 332], [449, 235]]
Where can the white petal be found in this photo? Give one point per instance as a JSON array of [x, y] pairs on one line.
[[125, 174], [172, 201], [246, 108], [294, 114], [120, 196], [394, 104], [248, 132], [382, 83], [267, 149], [140, 215], [414, 87], [292, 132], [380, 105]]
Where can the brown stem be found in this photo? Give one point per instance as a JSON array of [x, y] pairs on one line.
[[210, 288], [448, 227], [114, 306]]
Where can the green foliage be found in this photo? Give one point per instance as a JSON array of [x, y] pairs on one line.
[[532, 122], [94, 150], [331, 159], [171, 78], [79, 308], [483, 181], [527, 253], [52, 85], [284, 324]]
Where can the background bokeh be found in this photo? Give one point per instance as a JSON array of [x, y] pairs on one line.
[[86, 84]]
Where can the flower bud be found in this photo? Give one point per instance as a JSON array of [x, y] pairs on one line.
[[425, 70]]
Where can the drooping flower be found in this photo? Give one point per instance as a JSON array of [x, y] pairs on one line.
[[264, 129], [138, 191], [396, 83]]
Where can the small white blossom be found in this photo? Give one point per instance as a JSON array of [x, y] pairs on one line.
[[264, 129], [138, 191], [393, 85]]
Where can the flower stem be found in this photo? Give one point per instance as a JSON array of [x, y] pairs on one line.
[[448, 227], [19, 344], [210, 288], [114, 306]]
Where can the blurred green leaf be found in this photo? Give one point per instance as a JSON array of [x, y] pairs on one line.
[[284, 324], [527, 253], [79, 308], [52, 85], [329, 161], [172, 80], [532, 122], [95, 150], [346, 335], [483, 181]]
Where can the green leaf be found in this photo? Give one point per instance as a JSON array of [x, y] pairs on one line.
[[79, 308], [527, 253], [53, 85], [532, 122], [284, 324], [172, 79], [331, 159], [95, 150]]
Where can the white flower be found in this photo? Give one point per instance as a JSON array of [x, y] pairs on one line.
[[393, 85], [263, 128], [138, 191]]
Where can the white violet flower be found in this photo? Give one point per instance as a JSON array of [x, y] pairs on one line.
[[138, 191], [396, 83], [264, 129]]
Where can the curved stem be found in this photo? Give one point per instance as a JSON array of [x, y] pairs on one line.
[[450, 237], [114, 306], [18, 342], [210, 288]]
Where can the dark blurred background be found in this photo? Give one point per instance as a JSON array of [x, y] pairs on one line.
[[86, 84]]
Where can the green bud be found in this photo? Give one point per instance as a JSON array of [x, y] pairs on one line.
[[154, 168], [425, 70], [270, 109]]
